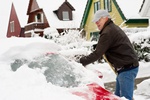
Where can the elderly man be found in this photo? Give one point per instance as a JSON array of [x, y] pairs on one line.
[[118, 49]]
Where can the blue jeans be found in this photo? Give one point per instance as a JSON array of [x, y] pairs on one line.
[[125, 83]]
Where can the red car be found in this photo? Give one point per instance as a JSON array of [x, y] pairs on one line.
[[96, 92]]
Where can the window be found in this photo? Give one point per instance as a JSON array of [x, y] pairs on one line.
[[96, 6], [107, 5], [12, 26], [65, 15], [39, 17]]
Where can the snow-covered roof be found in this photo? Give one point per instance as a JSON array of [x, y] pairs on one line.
[[130, 8], [145, 9], [49, 6]]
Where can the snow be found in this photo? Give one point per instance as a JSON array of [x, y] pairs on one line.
[[127, 8], [48, 6], [145, 11], [30, 84], [27, 83], [53, 19]]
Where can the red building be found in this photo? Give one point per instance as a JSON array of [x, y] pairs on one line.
[[17, 18]]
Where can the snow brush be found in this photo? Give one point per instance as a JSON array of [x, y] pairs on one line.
[[104, 56]]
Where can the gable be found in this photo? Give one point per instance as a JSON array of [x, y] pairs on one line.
[[32, 6], [14, 27], [21, 10], [67, 4], [64, 12]]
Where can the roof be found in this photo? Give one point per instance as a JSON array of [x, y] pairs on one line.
[[49, 6], [145, 9], [21, 10], [131, 8]]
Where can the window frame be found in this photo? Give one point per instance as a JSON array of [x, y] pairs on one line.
[[97, 6], [108, 5], [41, 19], [65, 15], [12, 26]]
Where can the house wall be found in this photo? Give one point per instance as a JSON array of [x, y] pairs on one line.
[[91, 27], [116, 17], [33, 14], [33, 10], [64, 8], [17, 27]]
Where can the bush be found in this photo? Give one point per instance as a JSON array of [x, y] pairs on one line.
[[143, 50]]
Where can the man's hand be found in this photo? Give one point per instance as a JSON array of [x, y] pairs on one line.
[[94, 46]]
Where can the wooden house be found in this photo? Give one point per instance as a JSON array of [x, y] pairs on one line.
[[17, 18], [123, 13], [59, 14]]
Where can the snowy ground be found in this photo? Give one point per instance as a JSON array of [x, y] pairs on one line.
[[28, 84]]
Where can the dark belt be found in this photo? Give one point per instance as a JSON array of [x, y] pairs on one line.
[[126, 68]]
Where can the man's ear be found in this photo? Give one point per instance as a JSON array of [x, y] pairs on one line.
[[106, 18]]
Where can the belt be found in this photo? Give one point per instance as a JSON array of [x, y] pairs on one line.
[[127, 68]]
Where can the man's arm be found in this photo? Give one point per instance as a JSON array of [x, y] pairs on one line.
[[103, 45]]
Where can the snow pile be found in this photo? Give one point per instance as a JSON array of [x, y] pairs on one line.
[[143, 88]]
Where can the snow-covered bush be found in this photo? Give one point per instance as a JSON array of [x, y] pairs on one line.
[[71, 41], [143, 51], [70, 37], [51, 33], [140, 41]]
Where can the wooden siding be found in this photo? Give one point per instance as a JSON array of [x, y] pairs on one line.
[[91, 27], [115, 13], [33, 11], [17, 28], [65, 7], [32, 6], [34, 26], [117, 18]]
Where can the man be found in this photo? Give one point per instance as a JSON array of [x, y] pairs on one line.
[[118, 49]]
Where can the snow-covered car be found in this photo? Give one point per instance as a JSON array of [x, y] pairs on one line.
[[35, 68], [61, 72]]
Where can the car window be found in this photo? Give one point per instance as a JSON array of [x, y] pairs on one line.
[[58, 70]]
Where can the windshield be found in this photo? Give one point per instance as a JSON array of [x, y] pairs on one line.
[[57, 69]]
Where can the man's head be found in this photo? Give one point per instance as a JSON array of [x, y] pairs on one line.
[[100, 17]]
